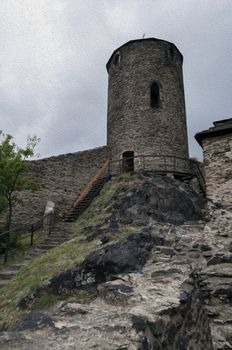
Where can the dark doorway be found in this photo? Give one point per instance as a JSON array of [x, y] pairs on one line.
[[128, 161]]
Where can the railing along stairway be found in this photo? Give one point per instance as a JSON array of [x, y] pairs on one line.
[[89, 193]]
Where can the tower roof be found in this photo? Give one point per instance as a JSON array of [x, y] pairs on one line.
[[141, 41]]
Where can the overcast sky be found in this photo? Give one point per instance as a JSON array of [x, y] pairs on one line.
[[53, 81]]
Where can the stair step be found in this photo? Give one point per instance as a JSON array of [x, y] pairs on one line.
[[19, 265], [63, 235], [46, 246], [38, 250], [55, 243], [57, 236], [54, 239], [80, 210], [71, 217], [29, 258], [2, 283], [5, 275], [77, 211], [34, 254], [80, 207]]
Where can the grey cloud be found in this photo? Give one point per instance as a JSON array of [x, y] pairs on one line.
[[53, 56]]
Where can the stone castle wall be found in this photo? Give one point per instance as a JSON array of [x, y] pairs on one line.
[[133, 124], [216, 277], [61, 179], [218, 168]]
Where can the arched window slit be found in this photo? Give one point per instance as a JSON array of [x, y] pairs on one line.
[[155, 95], [117, 58]]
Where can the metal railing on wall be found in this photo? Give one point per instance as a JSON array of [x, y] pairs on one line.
[[26, 236], [179, 166]]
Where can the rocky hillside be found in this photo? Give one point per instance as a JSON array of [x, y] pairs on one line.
[[147, 268]]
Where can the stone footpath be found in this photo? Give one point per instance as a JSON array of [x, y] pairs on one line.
[[61, 233]]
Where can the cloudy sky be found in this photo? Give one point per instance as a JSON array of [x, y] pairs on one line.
[[53, 81]]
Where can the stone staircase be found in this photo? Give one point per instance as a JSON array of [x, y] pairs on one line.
[[62, 232]]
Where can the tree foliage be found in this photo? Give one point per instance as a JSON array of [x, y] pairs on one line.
[[13, 167]]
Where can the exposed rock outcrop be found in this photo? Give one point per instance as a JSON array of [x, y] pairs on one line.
[[157, 306], [156, 282]]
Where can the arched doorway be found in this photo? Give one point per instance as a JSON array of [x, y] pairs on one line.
[[128, 161]]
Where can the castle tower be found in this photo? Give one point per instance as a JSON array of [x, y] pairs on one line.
[[146, 105]]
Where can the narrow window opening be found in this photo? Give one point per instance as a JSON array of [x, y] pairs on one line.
[[128, 161], [172, 53], [117, 58], [155, 95]]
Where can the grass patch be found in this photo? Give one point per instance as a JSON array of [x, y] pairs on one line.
[[84, 296], [38, 273], [99, 209], [127, 230], [47, 299]]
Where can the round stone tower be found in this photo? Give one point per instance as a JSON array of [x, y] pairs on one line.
[[146, 105]]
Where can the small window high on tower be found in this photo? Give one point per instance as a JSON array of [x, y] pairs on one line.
[[117, 58], [155, 95]]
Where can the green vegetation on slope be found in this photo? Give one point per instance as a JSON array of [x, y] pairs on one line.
[[38, 273], [71, 253]]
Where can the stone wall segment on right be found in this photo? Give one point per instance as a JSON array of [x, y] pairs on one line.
[[216, 143]]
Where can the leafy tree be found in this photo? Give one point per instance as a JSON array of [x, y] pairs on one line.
[[13, 178]]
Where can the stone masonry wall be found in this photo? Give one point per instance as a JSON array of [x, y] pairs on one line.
[[133, 124], [218, 168], [61, 179]]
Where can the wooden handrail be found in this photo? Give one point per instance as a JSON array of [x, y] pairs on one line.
[[91, 183]]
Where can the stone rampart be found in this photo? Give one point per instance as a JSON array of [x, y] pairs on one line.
[[61, 179]]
